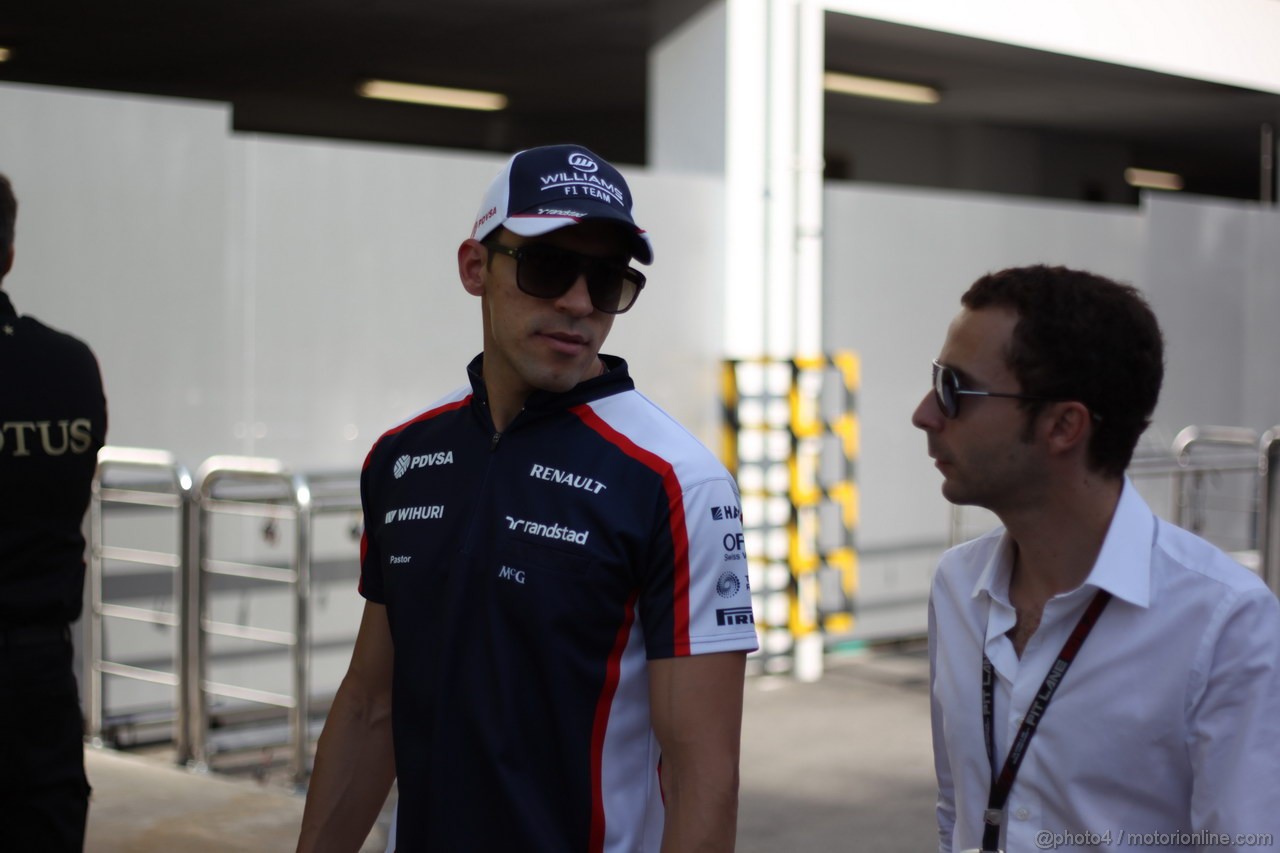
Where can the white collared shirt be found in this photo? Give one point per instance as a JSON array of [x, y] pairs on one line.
[[1166, 725]]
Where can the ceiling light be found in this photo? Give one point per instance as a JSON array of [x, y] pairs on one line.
[[875, 87], [1152, 180], [435, 96]]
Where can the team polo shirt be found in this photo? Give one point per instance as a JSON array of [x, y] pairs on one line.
[[53, 419], [528, 576]]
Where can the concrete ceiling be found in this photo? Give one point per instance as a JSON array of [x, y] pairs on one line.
[[573, 69]]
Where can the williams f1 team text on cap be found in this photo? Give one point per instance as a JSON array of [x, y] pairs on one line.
[[544, 189]]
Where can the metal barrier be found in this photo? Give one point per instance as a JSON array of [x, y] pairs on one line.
[[129, 478], [264, 489], [1269, 507], [261, 489], [1221, 451], [1198, 464]]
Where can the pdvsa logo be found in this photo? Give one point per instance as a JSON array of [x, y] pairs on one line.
[[735, 616], [407, 463], [727, 585], [721, 513], [582, 163]]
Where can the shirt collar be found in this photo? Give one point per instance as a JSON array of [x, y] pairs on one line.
[[1123, 567], [615, 379]]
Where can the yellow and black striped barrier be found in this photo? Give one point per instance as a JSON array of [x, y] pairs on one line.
[[791, 439]]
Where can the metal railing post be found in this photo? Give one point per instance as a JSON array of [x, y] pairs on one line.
[[290, 499], [196, 753], [1184, 442], [93, 639], [171, 490], [1269, 507], [300, 714]]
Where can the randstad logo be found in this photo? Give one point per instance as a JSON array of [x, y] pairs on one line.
[[407, 463], [720, 513], [549, 531], [582, 162]]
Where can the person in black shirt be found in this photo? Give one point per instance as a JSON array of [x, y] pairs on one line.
[[53, 420]]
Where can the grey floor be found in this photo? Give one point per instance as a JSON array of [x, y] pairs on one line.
[[840, 764]]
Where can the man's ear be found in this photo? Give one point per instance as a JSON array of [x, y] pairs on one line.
[[472, 258], [1070, 425]]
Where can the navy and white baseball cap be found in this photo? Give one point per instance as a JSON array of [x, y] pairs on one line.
[[544, 189]]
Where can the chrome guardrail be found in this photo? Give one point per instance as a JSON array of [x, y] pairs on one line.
[[1220, 450], [258, 488], [1269, 506], [1195, 463], [141, 480], [266, 489]]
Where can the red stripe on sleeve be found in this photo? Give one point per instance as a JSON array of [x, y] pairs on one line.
[[427, 415], [675, 515], [613, 672], [364, 549]]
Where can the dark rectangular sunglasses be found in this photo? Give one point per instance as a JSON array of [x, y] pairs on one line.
[[548, 272], [947, 391]]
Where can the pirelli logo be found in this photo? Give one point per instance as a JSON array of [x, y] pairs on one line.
[[735, 616]]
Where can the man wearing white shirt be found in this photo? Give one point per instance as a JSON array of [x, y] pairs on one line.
[[1100, 679]]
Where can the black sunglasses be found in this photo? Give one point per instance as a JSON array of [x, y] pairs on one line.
[[947, 391], [548, 272]]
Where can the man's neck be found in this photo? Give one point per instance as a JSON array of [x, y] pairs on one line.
[[504, 407], [1056, 545]]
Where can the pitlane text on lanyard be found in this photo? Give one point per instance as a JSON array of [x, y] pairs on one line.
[[1001, 783]]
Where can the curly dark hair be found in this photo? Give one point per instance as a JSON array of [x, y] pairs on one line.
[[8, 216], [1082, 337]]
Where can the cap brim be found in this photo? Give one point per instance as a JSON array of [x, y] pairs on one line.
[[535, 224]]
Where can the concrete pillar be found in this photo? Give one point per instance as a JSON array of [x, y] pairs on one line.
[[737, 90]]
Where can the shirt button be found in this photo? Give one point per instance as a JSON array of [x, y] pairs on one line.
[[1022, 813]]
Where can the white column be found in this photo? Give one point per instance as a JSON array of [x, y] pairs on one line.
[[738, 90]]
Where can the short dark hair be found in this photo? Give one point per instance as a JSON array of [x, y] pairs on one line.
[[1082, 337], [8, 216]]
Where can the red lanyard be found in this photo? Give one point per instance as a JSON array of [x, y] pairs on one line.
[[1001, 785]]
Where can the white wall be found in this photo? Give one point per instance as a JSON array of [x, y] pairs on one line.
[[292, 298], [1212, 269], [687, 90], [123, 209], [897, 261]]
